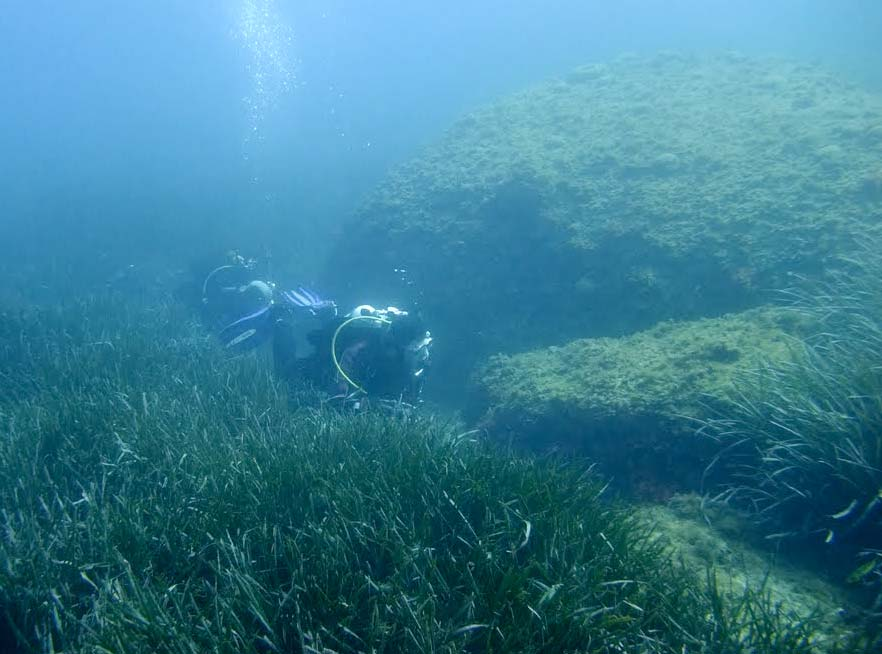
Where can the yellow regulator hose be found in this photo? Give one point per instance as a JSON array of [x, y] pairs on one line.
[[334, 346]]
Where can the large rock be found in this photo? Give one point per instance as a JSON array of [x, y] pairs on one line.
[[631, 403], [621, 195]]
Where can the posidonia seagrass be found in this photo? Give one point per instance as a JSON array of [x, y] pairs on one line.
[[159, 497]]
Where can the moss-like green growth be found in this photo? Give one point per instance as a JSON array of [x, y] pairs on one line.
[[628, 402], [665, 369], [158, 498]]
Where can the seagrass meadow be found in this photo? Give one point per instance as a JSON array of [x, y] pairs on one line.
[[160, 497]]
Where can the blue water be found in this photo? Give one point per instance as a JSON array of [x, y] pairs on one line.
[[135, 130]]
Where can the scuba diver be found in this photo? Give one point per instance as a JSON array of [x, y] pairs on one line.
[[376, 354]]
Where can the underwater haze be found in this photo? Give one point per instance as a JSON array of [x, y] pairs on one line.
[[135, 132], [380, 326]]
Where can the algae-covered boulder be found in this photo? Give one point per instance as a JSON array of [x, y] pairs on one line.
[[629, 403], [620, 195], [713, 538]]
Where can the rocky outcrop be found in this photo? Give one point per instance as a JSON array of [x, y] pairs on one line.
[[632, 404], [618, 196]]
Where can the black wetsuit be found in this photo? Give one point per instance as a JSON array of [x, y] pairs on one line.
[[368, 354]]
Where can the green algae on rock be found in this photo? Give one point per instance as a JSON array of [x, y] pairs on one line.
[[720, 539], [629, 402], [640, 190]]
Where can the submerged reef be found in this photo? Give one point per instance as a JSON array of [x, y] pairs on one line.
[[645, 189], [774, 411], [630, 403], [594, 254]]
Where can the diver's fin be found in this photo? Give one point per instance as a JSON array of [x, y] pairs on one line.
[[302, 297], [247, 332]]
